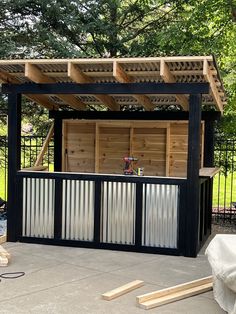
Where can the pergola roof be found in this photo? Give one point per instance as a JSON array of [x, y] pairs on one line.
[[188, 69]]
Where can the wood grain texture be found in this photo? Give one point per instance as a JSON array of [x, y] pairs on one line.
[[95, 145], [176, 296], [110, 295], [178, 292]]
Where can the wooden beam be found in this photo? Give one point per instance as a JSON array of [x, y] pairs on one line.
[[209, 78], [167, 291], [171, 294], [39, 99], [43, 100], [36, 168], [122, 77], [35, 75], [122, 290], [168, 77], [79, 77], [45, 146], [176, 296]]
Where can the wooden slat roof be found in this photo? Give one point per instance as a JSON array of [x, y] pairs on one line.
[[188, 69]]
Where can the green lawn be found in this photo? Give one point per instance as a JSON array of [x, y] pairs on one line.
[[224, 190], [2, 183]]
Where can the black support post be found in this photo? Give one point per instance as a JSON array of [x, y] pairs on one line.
[[192, 201], [58, 209], [97, 211], [57, 145], [14, 161], [209, 143], [138, 215]]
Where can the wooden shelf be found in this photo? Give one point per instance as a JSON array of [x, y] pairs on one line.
[[208, 172]]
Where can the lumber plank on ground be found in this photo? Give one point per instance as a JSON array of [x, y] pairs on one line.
[[173, 289], [176, 296], [3, 239], [4, 252], [122, 290], [3, 260]]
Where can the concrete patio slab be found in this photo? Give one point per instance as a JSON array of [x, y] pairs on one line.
[[71, 280]]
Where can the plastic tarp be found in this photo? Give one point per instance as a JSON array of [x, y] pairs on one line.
[[221, 253]]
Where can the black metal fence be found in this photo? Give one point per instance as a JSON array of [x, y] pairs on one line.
[[224, 186], [224, 192], [30, 148]]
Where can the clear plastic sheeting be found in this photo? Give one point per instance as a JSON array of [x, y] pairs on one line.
[[118, 212], [38, 207], [221, 253], [78, 199], [160, 215]]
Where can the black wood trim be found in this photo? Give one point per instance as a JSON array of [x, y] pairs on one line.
[[209, 143], [97, 211], [107, 88], [192, 201], [182, 218], [57, 145], [94, 177], [138, 215], [106, 246], [14, 161], [131, 115], [58, 209]]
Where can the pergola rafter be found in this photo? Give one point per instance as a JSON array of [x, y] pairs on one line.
[[186, 69]]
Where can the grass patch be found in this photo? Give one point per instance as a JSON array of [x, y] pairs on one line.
[[2, 183], [224, 191]]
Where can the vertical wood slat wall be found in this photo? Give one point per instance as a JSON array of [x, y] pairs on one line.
[[98, 146]]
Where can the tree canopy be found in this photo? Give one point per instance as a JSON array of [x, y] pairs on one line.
[[113, 28]]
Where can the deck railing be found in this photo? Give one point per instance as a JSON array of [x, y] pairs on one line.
[[105, 211]]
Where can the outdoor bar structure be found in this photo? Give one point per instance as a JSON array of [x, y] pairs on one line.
[[158, 110]]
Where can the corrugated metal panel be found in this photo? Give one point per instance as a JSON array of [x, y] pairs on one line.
[[160, 215], [38, 207], [118, 212], [78, 210]]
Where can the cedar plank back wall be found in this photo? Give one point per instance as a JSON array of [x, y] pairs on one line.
[[98, 146]]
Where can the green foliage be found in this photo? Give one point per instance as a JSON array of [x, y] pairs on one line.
[[114, 28]]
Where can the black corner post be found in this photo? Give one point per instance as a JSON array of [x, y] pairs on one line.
[[57, 144], [14, 164], [192, 197]]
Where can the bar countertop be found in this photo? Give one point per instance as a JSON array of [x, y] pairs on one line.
[[208, 172]]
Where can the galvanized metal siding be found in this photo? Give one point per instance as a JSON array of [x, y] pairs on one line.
[[118, 212], [38, 207], [78, 210], [160, 215]]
